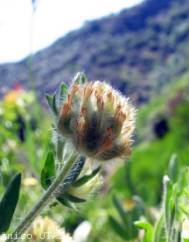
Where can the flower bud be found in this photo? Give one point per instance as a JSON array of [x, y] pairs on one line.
[[87, 189], [97, 120]]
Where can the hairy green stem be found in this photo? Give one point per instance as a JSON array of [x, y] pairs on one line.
[[42, 203]]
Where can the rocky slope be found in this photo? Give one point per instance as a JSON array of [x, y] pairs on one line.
[[139, 50]]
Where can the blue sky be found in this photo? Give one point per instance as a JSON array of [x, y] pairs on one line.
[[52, 19]]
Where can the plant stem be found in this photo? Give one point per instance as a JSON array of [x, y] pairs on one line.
[[42, 203]]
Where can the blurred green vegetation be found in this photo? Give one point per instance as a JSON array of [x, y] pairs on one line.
[[25, 132], [151, 154]]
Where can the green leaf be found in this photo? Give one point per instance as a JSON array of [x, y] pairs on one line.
[[159, 231], [168, 204], [120, 210], [66, 202], [56, 100], [173, 168], [51, 100], [128, 218], [9, 202], [139, 204], [84, 179], [74, 199], [132, 216], [62, 95], [117, 227], [63, 91], [177, 236], [48, 172], [80, 78], [72, 176], [148, 228], [75, 171]]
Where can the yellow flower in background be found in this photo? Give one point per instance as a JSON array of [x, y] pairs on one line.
[[30, 182], [18, 97], [129, 204], [98, 121], [12, 96]]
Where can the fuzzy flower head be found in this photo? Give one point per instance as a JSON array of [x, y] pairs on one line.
[[45, 229], [97, 120]]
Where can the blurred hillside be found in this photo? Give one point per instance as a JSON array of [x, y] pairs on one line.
[[139, 50]]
